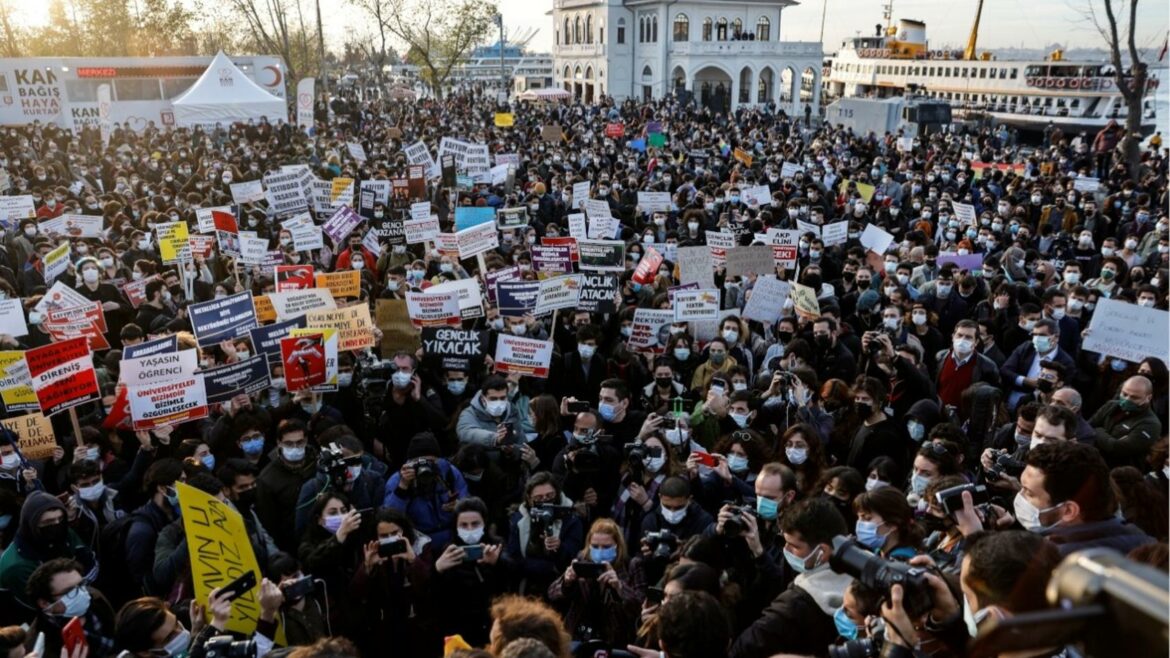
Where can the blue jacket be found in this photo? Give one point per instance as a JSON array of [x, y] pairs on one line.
[[1110, 533], [140, 541], [426, 510], [1020, 361]]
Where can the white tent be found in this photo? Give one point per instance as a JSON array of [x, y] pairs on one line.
[[545, 94], [223, 94]]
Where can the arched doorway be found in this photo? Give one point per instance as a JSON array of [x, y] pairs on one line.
[[788, 80], [745, 85], [766, 86], [714, 85], [810, 91], [589, 84]]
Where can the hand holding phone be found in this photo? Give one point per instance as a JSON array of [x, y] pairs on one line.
[[707, 459], [239, 587], [73, 635], [473, 553]]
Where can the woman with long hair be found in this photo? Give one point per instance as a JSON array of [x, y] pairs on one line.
[[604, 595], [545, 415], [803, 452], [638, 492], [885, 524]]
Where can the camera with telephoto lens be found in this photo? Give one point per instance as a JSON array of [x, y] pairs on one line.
[[736, 526], [586, 458], [426, 471], [865, 647], [371, 377], [850, 558], [636, 453], [662, 544], [543, 516], [1004, 464], [331, 463], [226, 646]]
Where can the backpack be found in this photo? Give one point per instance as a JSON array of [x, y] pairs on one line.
[[115, 579]]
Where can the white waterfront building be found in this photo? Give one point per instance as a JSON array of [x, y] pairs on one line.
[[726, 54]]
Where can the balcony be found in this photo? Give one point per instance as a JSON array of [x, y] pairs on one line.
[[747, 48], [580, 50]]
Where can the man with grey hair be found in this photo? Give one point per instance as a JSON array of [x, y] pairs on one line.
[[1070, 399], [1126, 427]]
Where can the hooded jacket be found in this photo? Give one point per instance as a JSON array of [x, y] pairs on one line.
[[477, 426], [30, 549]]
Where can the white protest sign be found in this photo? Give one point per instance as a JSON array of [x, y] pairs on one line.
[[835, 233], [1086, 184], [253, 251], [356, 151], [965, 213], [654, 201], [696, 305], [292, 304], [206, 222], [523, 356], [577, 227], [790, 169], [766, 300], [557, 293], [285, 194], [421, 230], [469, 294], [695, 265], [603, 228], [1127, 331], [158, 368], [418, 154], [580, 193], [247, 192], [12, 318], [758, 195], [597, 209], [876, 238], [477, 239], [74, 226], [719, 242], [420, 210], [13, 208], [438, 309]]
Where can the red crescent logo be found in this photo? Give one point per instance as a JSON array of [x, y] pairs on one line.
[[277, 77]]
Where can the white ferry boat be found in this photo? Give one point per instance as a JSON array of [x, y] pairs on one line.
[[1072, 95]]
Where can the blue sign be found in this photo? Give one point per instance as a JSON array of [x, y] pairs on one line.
[[468, 216], [164, 345], [222, 319], [266, 339], [226, 382], [516, 299]]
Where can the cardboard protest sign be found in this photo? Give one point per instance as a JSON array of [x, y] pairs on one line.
[[508, 218], [1126, 331], [398, 333], [651, 330], [602, 255], [151, 347], [341, 192], [719, 243], [448, 348], [647, 269], [557, 293], [654, 201], [347, 283], [294, 277], [695, 265], [159, 367], [523, 356], [421, 230], [294, 304], [56, 262], [35, 432], [62, 375], [549, 133], [74, 226], [12, 321], [754, 259], [433, 310], [696, 305], [835, 233], [805, 301], [766, 300], [599, 292], [223, 319], [15, 385], [266, 339], [477, 239], [247, 192], [220, 551], [264, 310], [303, 358], [517, 298], [355, 329], [248, 376], [470, 296], [742, 156]]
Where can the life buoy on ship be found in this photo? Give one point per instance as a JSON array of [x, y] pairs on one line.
[[1060, 83], [1075, 83]]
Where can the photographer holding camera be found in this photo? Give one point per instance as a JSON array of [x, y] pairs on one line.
[[340, 468], [800, 619], [603, 588], [648, 463], [392, 582], [545, 533], [426, 489], [589, 464]]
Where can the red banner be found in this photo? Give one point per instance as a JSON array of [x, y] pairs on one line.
[[647, 269], [62, 375], [304, 361], [294, 277]]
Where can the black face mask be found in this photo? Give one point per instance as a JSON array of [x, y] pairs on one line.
[[824, 342], [848, 277], [784, 336], [246, 500], [863, 284], [934, 523], [813, 281], [56, 534], [663, 382], [864, 409]]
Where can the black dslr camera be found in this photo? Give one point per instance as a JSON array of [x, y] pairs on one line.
[[586, 458], [635, 454], [864, 647], [1003, 464], [543, 517], [662, 544], [332, 464], [849, 557], [735, 526], [226, 646], [426, 472]]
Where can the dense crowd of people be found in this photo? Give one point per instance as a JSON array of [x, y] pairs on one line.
[[940, 411]]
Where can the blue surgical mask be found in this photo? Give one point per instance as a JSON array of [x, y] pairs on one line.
[[333, 522], [798, 564], [209, 461], [599, 555], [846, 627], [767, 508], [457, 386], [253, 446], [1042, 343], [867, 534], [5, 521], [682, 353], [918, 483], [608, 411], [916, 430], [737, 463]]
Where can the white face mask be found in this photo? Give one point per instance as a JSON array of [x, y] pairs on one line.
[[673, 516], [796, 456], [472, 536]]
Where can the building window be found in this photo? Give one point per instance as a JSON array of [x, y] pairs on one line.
[[567, 33], [762, 27], [737, 28], [646, 73], [707, 24], [577, 30], [654, 29], [601, 35], [589, 29], [557, 37], [721, 30], [621, 35], [682, 27]]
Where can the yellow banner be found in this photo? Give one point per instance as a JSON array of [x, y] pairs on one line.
[[220, 552], [504, 120], [804, 299], [173, 241], [341, 187], [355, 329], [341, 284], [865, 190], [264, 309], [15, 385]]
